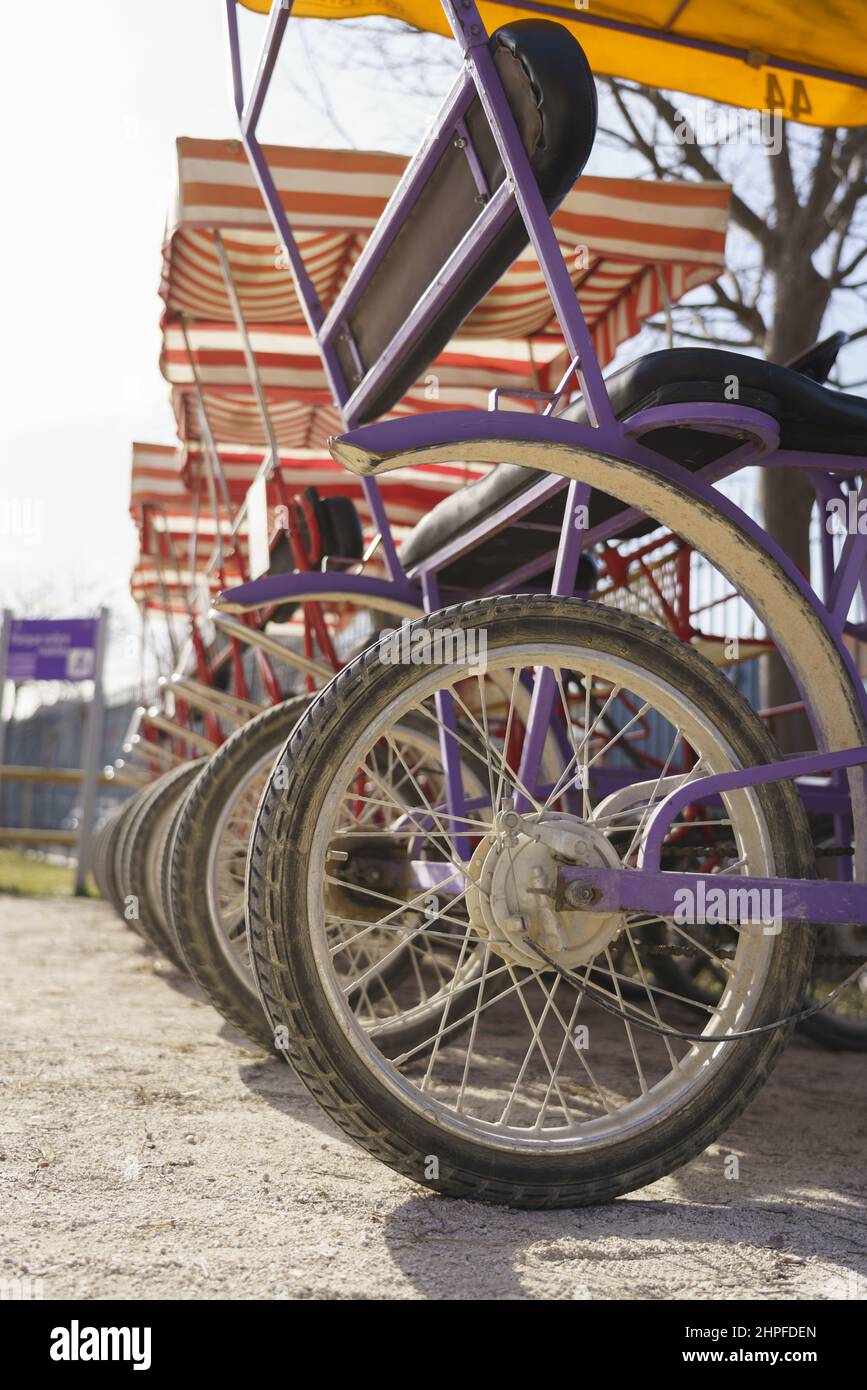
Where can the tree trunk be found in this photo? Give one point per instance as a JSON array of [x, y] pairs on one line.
[[787, 497]]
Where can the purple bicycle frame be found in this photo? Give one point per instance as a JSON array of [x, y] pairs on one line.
[[395, 443]]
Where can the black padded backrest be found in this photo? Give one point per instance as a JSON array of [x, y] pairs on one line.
[[817, 361], [552, 95]]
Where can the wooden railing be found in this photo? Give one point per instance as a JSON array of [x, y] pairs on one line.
[[28, 835]]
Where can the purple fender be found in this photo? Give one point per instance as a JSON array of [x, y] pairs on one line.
[[766, 579], [312, 586]]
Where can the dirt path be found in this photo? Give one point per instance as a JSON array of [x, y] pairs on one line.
[[147, 1151]]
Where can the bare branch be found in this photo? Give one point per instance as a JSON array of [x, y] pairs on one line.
[[644, 146], [707, 338], [824, 176], [693, 157], [746, 314], [840, 215], [845, 271]]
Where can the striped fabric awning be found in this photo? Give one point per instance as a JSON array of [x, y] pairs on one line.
[[300, 404], [164, 509], [167, 510], [165, 480], [159, 586], [157, 479], [632, 246], [162, 575]]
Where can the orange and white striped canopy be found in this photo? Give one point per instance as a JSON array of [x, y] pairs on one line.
[[166, 481], [632, 246], [164, 509], [170, 499]]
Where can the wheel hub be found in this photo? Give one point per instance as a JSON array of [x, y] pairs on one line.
[[513, 886]]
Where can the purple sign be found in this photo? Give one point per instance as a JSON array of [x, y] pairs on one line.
[[61, 649]]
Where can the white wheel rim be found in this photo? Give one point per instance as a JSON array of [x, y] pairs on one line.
[[691, 1066]]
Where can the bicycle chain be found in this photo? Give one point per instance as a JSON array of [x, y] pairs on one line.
[[821, 852], [728, 953], [729, 847]]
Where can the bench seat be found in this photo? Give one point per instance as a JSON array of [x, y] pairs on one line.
[[812, 418]]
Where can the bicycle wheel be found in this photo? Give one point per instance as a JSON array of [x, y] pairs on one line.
[[208, 862], [515, 1106], [99, 867], [205, 864], [112, 870], [842, 1024], [142, 856]]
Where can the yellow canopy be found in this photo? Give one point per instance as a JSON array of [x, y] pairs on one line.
[[750, 42]]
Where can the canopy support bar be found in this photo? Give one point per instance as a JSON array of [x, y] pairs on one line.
[[723, 50], [249, 355]]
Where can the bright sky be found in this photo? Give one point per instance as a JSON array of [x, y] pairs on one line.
[[96, 94]]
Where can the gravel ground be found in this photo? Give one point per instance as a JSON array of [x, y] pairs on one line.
[[146, 1150]]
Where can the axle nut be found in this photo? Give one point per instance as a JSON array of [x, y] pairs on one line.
[[580, 894]]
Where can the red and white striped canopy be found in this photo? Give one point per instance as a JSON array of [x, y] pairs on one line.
[[300, 404], [160, 586], [632, 247], [164, 509], [166, 479], [157, 480], [163, 577]]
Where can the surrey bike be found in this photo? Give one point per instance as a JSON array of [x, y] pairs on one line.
[[254, 408], [550, 1065]]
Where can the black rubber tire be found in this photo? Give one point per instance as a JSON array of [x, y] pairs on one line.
[[98, 866], [151, 824], [190, 922], [293, 994], [342, 533], [836, 1034], [165, 878], [195, 936], [112, 854]]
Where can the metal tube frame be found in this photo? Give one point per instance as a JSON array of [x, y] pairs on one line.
[[399, 442]]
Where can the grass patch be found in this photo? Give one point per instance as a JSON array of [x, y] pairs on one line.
[[26, 874]]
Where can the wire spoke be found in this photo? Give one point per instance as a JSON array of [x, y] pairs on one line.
[[440, 978]]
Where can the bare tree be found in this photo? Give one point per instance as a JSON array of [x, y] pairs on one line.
[[799, 209], [405, 72], [798, 242]]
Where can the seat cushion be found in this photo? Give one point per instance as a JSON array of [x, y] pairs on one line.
[[811, 417]]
